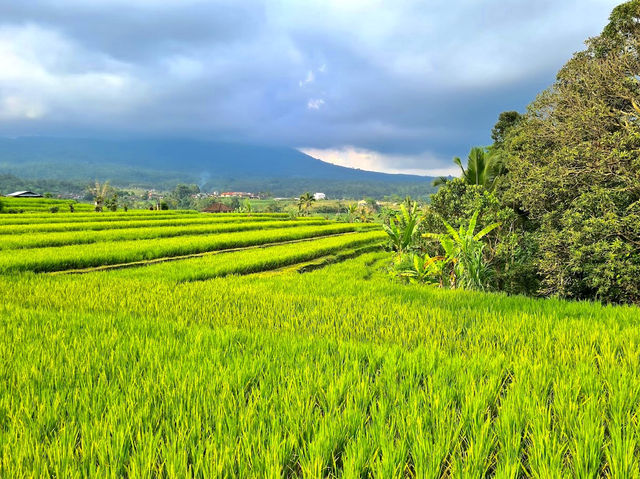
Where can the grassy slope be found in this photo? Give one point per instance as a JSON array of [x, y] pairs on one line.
[[337, 371]]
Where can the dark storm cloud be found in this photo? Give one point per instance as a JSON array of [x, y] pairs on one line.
[[385, 85]]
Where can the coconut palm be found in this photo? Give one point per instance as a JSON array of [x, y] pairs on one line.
[[352, 211], [305, 202], [99, 192], [483, 167]]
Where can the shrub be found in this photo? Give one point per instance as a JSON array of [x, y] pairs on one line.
[[510, 248], [464, 251], [403, 227]]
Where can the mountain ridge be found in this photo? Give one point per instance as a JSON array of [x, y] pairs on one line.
[[211, 165]]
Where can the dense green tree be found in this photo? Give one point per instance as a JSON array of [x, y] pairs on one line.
[[246, 206], [272, 207], [574, 168], [111, 201], [506, 121], [372, 205], [235, 203], [182, 194]]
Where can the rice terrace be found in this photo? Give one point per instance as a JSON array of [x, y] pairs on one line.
[[231, 362], [236, 242]]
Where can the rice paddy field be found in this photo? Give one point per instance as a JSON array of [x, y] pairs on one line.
[[178, 344], [42, 205]]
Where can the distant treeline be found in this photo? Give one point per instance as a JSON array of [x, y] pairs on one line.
[[290, 187]]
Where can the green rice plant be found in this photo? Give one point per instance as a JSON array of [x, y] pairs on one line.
[[337, 372], [251, 260], [97, 254], [48, 239], [135, 215], [138, 222]]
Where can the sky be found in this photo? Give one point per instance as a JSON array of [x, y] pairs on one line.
[[394, 86]]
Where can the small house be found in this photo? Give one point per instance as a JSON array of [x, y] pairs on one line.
[[24, 194], [237, 194], [319, 196]]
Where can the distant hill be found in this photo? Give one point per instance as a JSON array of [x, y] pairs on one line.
[[212, 165]]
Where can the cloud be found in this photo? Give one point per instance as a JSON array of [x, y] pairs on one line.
[[309, 79], [395, 79], [420, 164], [45, 76], [315, 103]]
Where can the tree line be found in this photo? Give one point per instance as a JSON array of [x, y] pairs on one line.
[[559, 187]]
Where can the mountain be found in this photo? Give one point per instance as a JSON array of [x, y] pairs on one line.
[[211, 165]]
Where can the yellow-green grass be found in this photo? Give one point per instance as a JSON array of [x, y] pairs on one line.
[[49, 218], [252, 260], [335, 373], [42, 204], [170, 229], [88, 255], [89, 224]]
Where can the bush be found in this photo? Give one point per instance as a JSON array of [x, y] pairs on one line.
[[510, 248]]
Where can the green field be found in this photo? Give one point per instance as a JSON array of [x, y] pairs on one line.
[[177, 344], [42, 205]]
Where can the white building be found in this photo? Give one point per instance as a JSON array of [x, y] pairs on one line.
[[319, 196]]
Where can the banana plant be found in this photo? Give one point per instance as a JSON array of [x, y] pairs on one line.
[[426, 269], [464, 250], [403, 227]]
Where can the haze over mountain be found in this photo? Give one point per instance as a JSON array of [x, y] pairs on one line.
[[164, 162]]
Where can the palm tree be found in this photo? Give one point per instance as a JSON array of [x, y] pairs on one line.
[[483, 167], [352, 211], [305, 202], [99, 192]]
